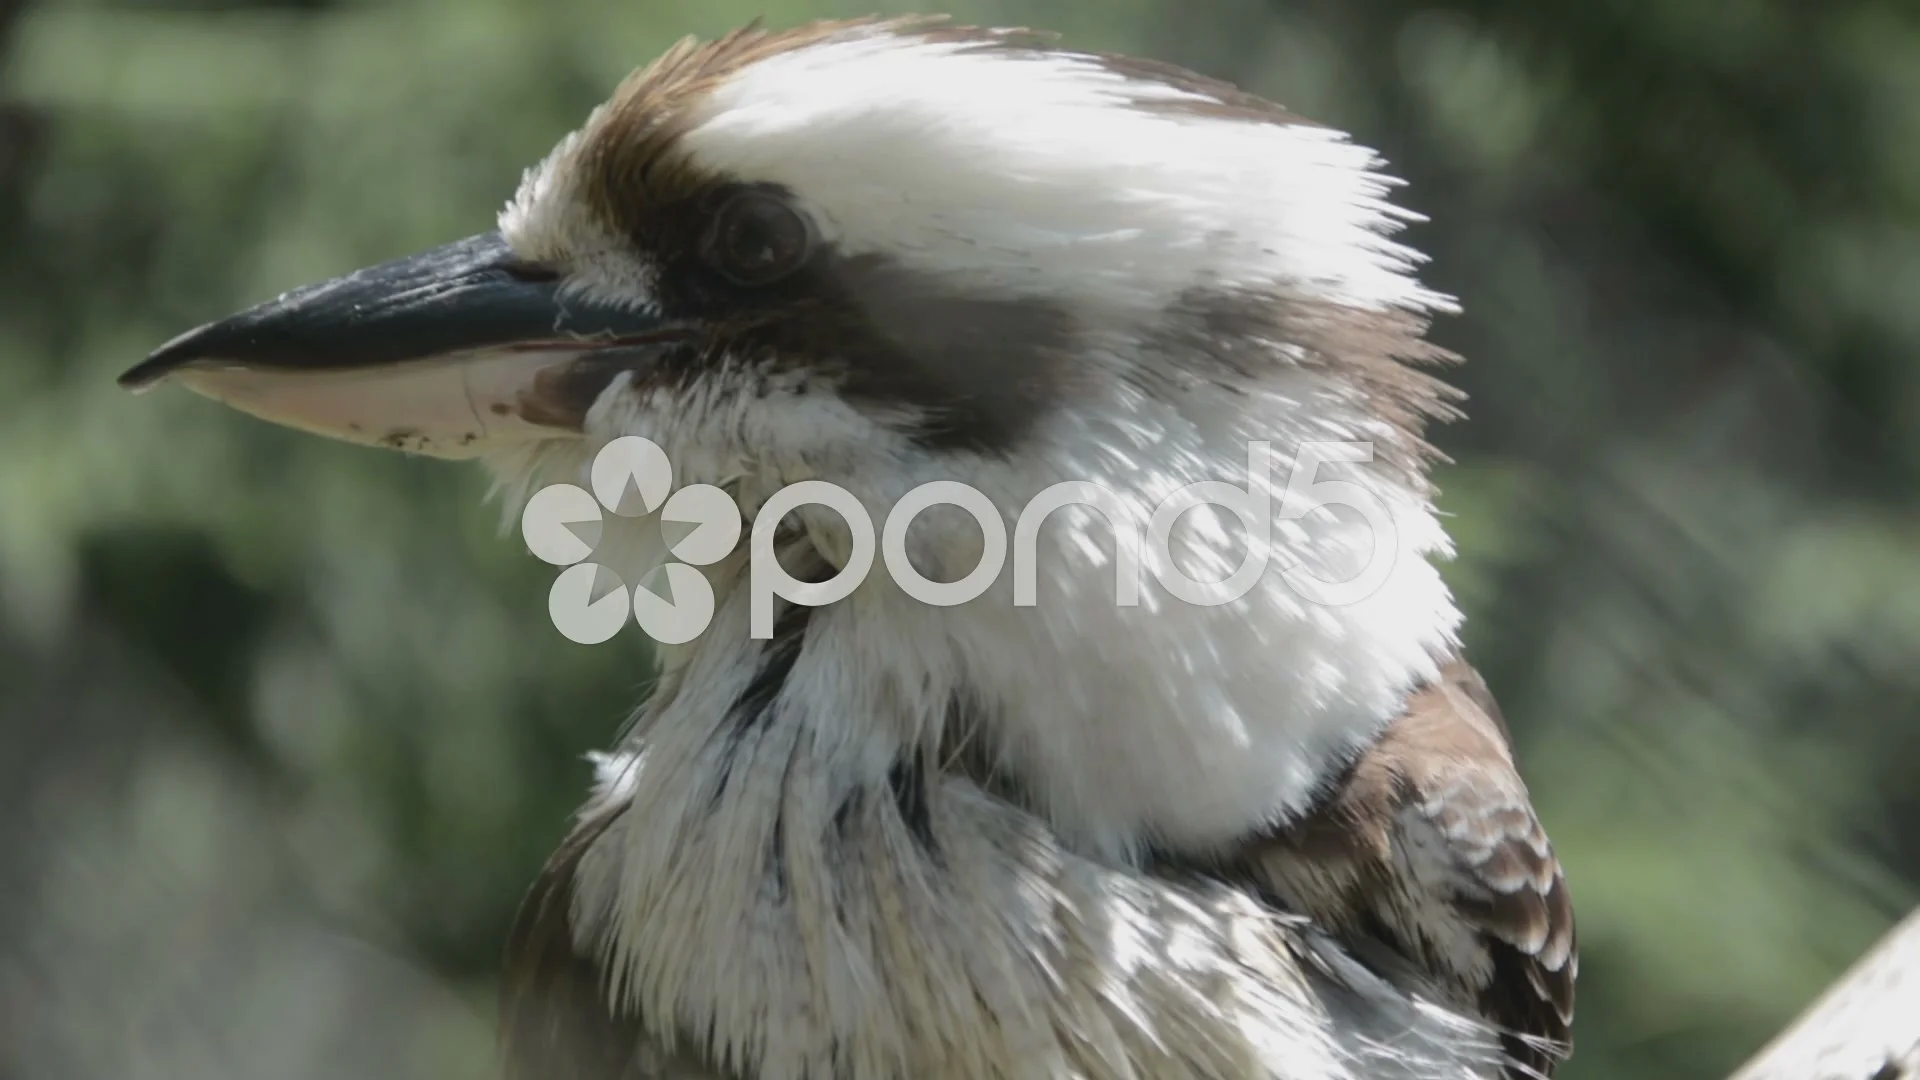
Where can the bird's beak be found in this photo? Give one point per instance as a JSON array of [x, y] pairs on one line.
[[450, 352]]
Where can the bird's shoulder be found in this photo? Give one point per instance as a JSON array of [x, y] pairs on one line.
[[556, 1016], [1428, 843]]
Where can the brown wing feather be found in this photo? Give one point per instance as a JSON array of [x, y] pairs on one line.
[[1500, 839], [1429, 842], [554, 1016]]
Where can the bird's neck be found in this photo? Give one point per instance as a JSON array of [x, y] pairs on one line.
[[925, 814], [809, 872]]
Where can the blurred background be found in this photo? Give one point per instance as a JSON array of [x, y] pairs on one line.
[[283, 732]]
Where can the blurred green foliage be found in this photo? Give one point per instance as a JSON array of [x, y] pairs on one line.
[[282, 733]]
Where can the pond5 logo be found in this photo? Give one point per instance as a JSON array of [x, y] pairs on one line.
[[700, 525], [631, 477]]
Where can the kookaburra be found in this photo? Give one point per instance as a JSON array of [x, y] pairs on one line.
[[1275, 837]]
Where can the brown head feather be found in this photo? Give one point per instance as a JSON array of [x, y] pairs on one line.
[[629, 149]]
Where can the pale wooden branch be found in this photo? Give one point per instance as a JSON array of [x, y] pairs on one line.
[[1865, 1027]]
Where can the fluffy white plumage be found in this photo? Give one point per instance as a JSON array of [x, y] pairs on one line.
[[989, 840]]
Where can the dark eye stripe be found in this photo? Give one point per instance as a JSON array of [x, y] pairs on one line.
[[950, 367]]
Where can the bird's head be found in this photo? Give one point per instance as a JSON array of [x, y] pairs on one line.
[[810, 251], [885, 252]]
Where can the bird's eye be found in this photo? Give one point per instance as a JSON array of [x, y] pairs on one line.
[[757, 239]]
